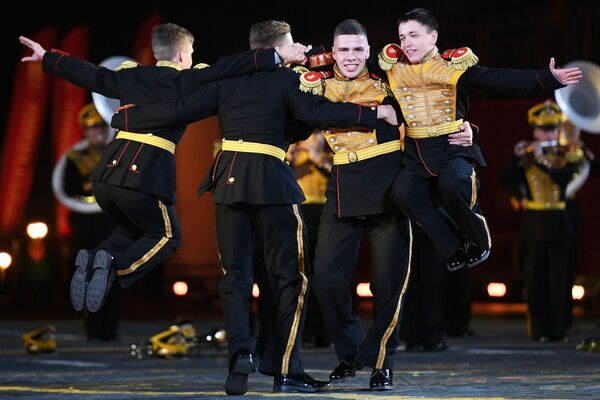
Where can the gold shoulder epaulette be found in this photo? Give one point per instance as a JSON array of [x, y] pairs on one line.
[[126, 64], [461, 58], [201, 66], [300, 69], [389, 56], [313, 82]]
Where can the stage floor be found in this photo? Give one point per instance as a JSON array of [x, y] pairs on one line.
[[498, 362]]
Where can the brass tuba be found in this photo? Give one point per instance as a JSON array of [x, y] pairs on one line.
[[106, 108], [581, 104]]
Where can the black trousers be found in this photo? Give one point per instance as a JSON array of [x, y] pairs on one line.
[[335, 260], [148, 230], [546, 272], [456, 183], [422, 320], [283, 237]]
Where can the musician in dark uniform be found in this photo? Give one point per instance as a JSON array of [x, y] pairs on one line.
[[432, 90], [134, 182], [541, 171], [253, 186], [89, 229]]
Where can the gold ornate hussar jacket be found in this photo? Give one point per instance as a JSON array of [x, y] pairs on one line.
[[427, 91], [362, 90]]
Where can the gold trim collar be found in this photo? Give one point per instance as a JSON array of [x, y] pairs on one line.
[[169, 63]]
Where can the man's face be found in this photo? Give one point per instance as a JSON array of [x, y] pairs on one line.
[[415, 40], [186, 55], [547, 133], [350, 53]]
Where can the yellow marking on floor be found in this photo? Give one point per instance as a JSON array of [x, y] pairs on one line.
[[328, 394]]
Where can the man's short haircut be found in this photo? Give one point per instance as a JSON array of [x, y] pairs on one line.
[[266, 34], [423, 16], [168, 39], [350, 27]]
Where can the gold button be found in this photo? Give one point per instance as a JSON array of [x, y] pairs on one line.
[[114, 162], [336, 148], [223, 139], [231, 179], [433, 129], [331, 140], [240, 140], [352, 157], [371, 140], [373, 108], [134, 167], [150, 134]]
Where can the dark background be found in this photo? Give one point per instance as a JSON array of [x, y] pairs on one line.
[[503, 33]]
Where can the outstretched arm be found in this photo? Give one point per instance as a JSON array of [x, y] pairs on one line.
[[517, 82], [146, 118], [242, 63], [81, 73]]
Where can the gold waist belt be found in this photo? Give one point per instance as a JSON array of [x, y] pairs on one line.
[[366, 153], [148, 138], [433, 131], [251, 147], [541, 205]]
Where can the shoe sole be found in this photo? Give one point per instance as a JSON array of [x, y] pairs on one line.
[[340, 380], [461, 266], [381, 388], [482, 259], [294, 389], [237, 381], [79, 279], [99, 283]]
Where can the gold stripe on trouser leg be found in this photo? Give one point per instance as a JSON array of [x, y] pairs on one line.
[[473, 189], [487, 230], [390, 329], [156, 248], [297, 315]]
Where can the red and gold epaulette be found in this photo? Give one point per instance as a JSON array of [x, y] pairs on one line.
[[460, 58], [126, 64], [300, 69], [389, 56], [312, 81], [201, 66], [320, 60]]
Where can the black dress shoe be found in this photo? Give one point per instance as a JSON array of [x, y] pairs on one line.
[[237, 381], [344, 371], [381, 379], [457, 260], [80, 279], [103, 276], [298, 383], [475, 255]]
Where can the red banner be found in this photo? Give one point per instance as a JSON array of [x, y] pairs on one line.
[[67, 101], [24, 128], [142, 46]]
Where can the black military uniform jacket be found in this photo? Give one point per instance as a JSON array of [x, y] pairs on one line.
[[447, 79], [138, 165], [361, 187], [541, 189], [264, 108]]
